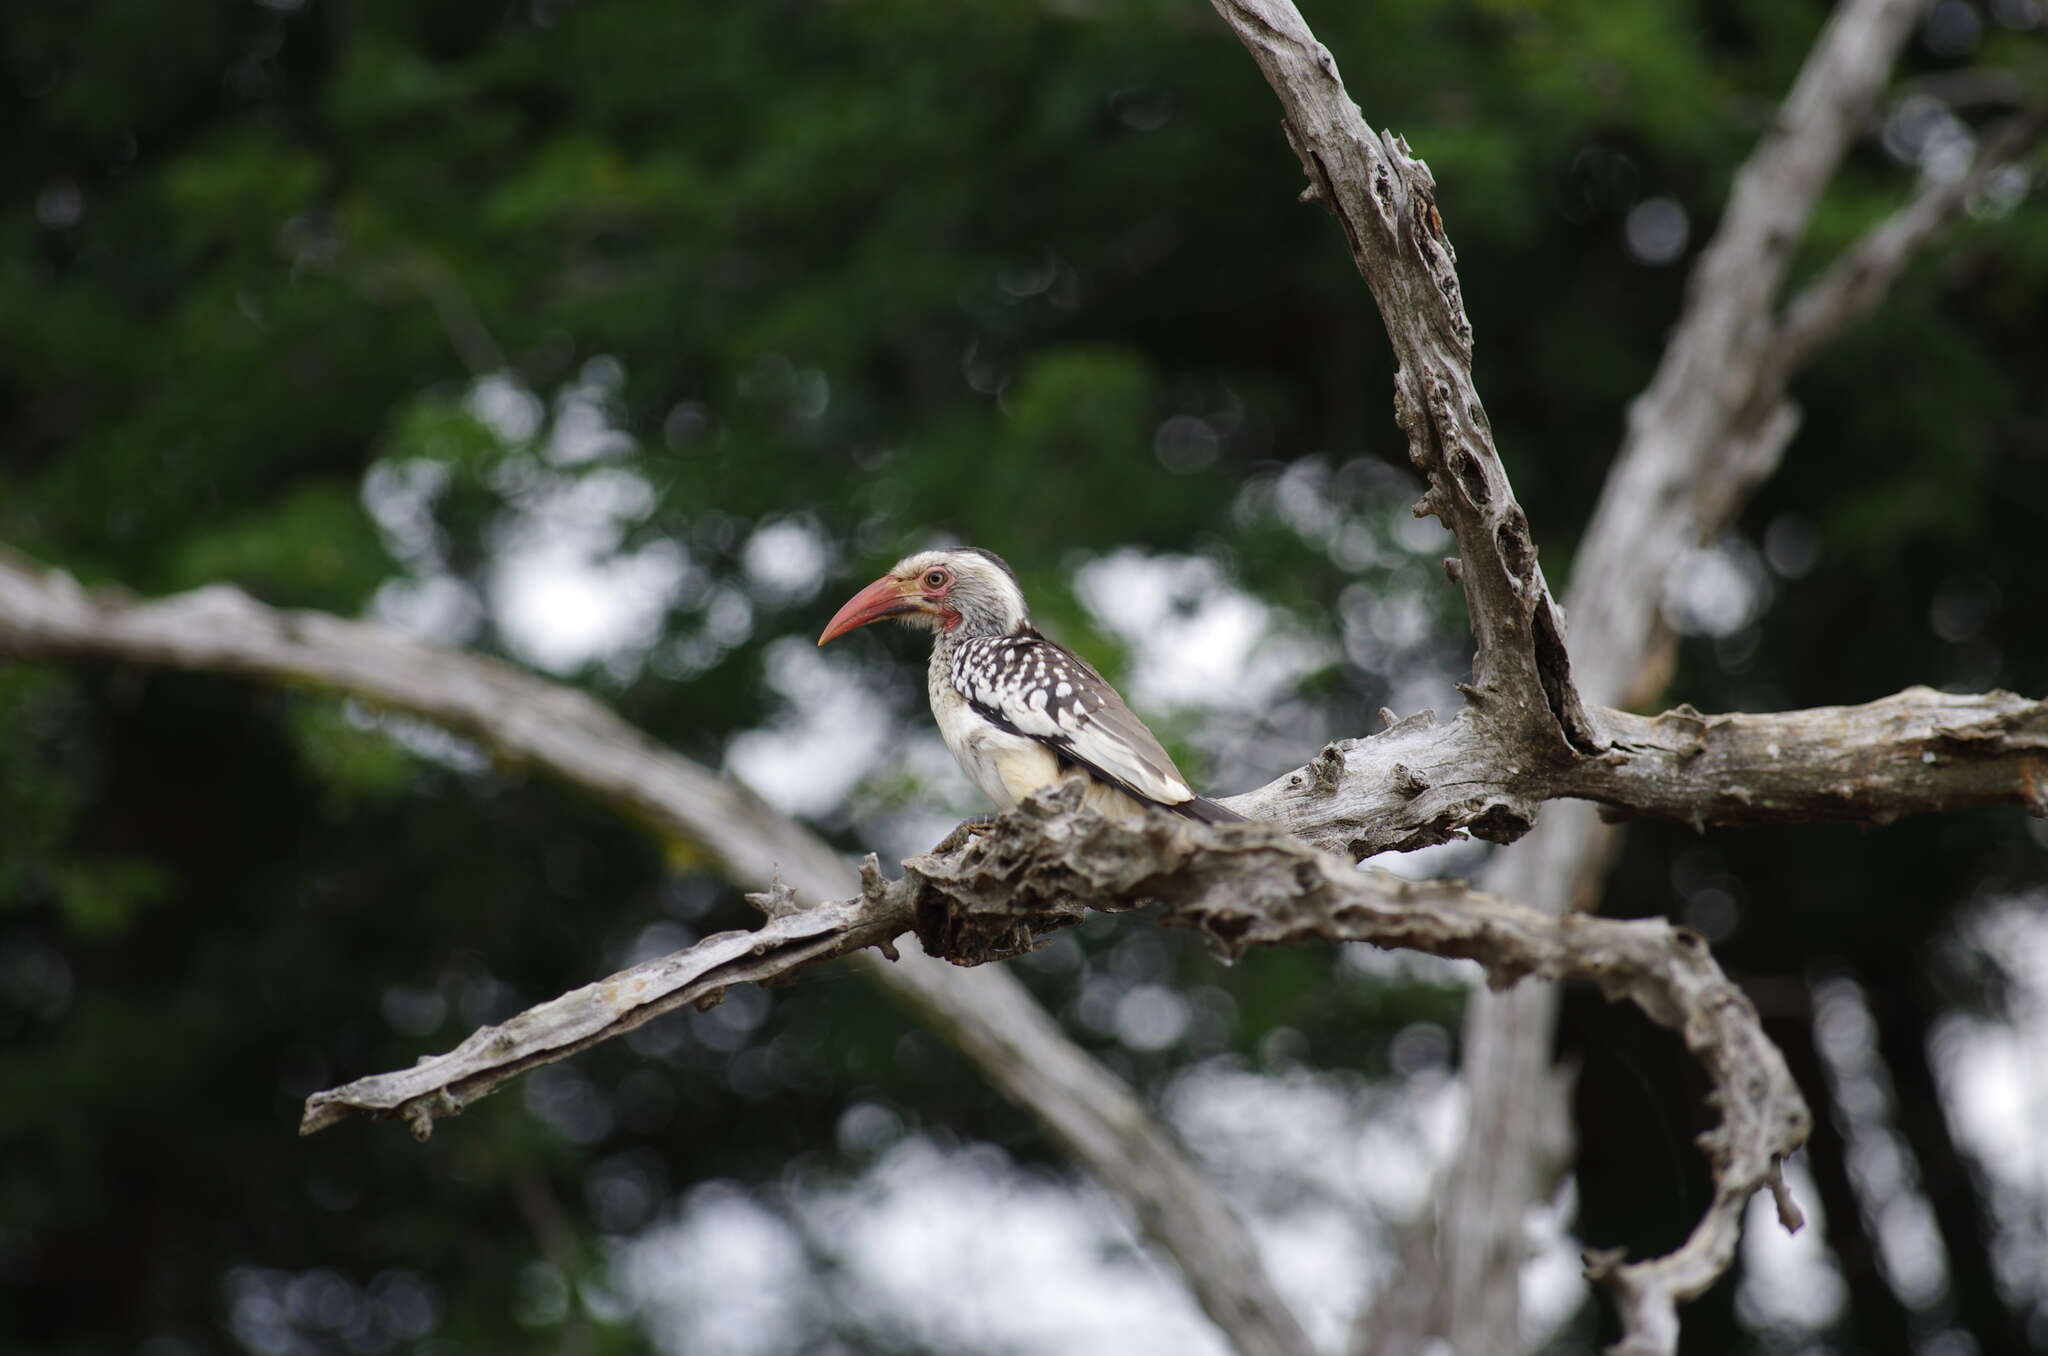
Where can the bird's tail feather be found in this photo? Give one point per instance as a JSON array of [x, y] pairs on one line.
[[1207, 811]]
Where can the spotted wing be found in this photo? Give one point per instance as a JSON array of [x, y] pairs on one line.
[[1026, 684]]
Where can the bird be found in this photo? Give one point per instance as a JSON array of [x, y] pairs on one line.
[[1017, 711]]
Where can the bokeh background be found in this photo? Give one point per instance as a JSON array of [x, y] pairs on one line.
[[624, 338]]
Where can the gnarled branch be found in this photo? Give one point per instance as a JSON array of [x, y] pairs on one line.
[[972, 898], [1709, 429], [1385, 199], [1239, 885], [1367, 795], [1544, 737], [793, 937], [1919, 751], [1419, 781]]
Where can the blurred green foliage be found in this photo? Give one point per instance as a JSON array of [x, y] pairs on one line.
[[884, 270]]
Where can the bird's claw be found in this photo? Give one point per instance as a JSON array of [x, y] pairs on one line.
[[974, 826]]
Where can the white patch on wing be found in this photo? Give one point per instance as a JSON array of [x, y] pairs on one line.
[[1049, 696]]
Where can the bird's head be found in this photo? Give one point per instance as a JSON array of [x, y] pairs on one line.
[[962, 590]]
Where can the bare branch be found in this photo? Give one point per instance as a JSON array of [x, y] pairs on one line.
[[524, 719], [1249, 885], [516, 717], [1699, 439], [1711, 426], [1917, 752], [1670, 487], [1385, 199], [1415, 783], [444, 1084], [1858, 280], [1529, 715], [1239, 885], [1522, 683]]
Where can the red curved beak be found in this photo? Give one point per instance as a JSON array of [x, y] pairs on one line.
[[886, 597]]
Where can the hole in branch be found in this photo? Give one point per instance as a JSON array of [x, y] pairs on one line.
[[1512, 537], [1472, 476], [1554, 668]]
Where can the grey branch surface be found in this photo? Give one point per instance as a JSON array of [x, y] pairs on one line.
[[1920, 750], [1252, 884], [442, 1085], [1417, 781]]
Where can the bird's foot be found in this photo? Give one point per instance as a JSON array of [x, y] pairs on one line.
[[972, 827]]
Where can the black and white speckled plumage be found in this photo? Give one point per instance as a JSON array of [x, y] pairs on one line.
[[1025, 684], [1019, 712]]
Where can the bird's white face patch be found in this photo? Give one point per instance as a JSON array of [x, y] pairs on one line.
[[976, 594]]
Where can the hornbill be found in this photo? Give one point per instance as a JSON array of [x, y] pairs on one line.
[[1018, 711]]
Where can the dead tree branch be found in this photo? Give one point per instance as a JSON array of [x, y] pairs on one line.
[[1710, 427], [1247, 885], [1915, 752], [1239, 886], [1385, 200], [1415, 783], [1529, 735], [1853, 285], [794, 936]]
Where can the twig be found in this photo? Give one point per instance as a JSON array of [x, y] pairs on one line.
[[444, 1084], [1858, 279]]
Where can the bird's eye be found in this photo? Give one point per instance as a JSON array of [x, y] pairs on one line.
[[934, 579]]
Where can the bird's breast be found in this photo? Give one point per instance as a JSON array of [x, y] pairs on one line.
[[1006, 766]]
